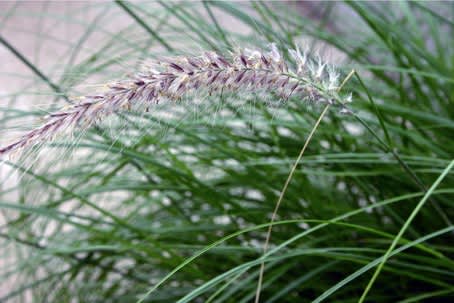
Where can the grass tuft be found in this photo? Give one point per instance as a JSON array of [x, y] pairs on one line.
[[177, 203]]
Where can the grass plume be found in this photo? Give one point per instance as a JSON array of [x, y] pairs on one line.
[[172, 78]]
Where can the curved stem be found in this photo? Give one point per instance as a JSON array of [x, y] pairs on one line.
[[281, 197], [284, 189]]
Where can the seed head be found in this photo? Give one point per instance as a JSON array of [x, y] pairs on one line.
[[246, 70]]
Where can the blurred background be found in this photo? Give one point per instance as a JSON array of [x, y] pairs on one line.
[[131, 203]]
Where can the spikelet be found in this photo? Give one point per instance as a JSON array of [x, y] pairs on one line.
[[169, 79]]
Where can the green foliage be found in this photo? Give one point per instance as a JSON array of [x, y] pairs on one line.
[[175, 203]]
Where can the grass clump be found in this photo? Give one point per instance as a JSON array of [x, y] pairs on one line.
[[173, 204]]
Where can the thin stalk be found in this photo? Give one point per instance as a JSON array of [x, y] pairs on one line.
[[388, 147], [124, 6], [403, 229], [182, 18], [33, 67], [206, 4], [281, 197], [284, 190], [377, 112]]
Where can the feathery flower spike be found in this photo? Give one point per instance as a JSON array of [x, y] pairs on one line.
[[169, 79]]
